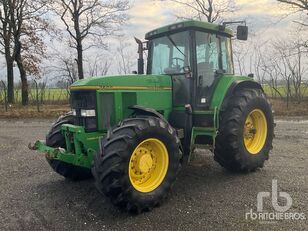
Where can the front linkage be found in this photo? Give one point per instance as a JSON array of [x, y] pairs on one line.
[[80, 146]]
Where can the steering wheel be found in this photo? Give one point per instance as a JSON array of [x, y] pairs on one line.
[[177, 61]]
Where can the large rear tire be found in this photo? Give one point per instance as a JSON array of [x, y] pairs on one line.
[[138, 164], [246, 132], [55, 139]]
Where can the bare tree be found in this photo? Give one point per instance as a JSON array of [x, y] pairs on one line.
[[298, 70], [260, 65], [272, 72], [22, 23], [209, 10], [6, 42], [65, 68], [291, 67], [124, 57], [299, 4], [98, 66], [29, 48], [240, 54], [94, 19]]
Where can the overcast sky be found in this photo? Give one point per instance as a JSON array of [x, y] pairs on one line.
[[264, 17], [149, 14]]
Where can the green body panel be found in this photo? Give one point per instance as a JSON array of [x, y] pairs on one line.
[[122, 81], [159, 99], [150, 91], [222, 88], [189, 24]]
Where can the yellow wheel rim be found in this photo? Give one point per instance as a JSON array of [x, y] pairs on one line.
[[148, 165], [255, 131]]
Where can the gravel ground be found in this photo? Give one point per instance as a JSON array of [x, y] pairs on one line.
[[205, 196]]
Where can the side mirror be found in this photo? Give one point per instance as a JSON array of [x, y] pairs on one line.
[[242, 33]]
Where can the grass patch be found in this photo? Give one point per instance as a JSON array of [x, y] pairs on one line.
[[48, 96]]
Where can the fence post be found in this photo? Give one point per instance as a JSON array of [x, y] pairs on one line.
[[5, 95]]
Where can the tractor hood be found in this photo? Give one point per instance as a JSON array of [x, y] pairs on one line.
[[125, 82]]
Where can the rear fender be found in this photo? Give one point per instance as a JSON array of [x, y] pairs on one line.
[[239, 85]]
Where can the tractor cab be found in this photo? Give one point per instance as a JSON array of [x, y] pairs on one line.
[[194, 54]]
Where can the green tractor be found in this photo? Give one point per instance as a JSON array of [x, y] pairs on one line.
[[133, 132]]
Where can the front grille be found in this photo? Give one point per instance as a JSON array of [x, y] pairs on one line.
[[85, 100]]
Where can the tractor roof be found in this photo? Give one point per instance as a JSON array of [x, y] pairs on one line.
[[191, 24]]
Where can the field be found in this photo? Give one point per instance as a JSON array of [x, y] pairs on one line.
[[58, 96], [47, 96], [61, 96], [283, 91]]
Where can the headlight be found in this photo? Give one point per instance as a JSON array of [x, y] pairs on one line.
[[87, 113]]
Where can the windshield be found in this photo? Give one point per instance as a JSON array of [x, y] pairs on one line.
[[170, 54]]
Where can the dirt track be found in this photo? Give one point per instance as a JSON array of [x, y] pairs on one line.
[[205, 196]]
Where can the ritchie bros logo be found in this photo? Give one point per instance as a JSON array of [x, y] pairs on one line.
[[281, 211]]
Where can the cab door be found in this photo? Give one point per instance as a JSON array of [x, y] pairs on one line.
[[207, 64], [213, 59]]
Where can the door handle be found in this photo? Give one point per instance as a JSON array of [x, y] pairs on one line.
[[200, 80]]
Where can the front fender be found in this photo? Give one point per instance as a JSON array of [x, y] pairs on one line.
[[140, 110]]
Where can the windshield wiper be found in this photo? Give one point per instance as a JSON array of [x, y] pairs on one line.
[[174, 44]]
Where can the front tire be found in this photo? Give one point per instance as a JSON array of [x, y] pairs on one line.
[[246, 132], [138, 164]]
